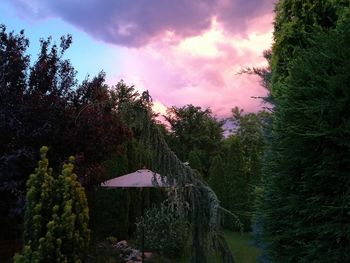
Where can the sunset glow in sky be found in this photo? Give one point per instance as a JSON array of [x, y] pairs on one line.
[[183, 52]]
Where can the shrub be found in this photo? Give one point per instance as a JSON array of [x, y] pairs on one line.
[[164, 232], [56, 216]]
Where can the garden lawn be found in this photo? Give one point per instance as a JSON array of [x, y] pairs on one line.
[[242, 247]]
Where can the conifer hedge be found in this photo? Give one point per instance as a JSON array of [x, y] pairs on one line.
[[306, 173]]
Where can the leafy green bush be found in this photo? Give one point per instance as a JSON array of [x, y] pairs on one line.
[[56, 217], [164, 231]]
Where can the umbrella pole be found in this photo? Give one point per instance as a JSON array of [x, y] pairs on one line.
[[143, 227]]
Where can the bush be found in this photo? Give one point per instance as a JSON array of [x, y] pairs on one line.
[[56, 216], [164, 232]]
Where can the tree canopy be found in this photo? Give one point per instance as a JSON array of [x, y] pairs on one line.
[[42, 104], [193, 129]]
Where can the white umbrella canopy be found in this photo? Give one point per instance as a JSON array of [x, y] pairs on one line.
[[140, 178]]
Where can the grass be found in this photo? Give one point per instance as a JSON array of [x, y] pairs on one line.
[[186, 258], [241, 246]]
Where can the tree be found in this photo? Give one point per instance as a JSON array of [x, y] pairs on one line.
[[244, 160], [194, 129], [117, 210], [295, 22], [195, 161], [218, 181], [236, 182], [250, 131], [305, 182], [99, 131], [42, 104], [56, 218], [13, 162], [191, 191]]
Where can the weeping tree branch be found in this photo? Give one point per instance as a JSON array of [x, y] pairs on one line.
[[205, 207]]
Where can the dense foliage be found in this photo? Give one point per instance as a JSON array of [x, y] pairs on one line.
[[232, 165], [195, 135], [250, 133], [56, 217], [205, 211], [164, 230], [236, 186], [306, 182], [217, 179], [42, 104], [250, 143], [236, 172]]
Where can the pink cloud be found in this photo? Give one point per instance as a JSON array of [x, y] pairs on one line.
[[202, 70], [181, 51]]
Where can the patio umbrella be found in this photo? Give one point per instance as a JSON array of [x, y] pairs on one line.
[[139, 179]]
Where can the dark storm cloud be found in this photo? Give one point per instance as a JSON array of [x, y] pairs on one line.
[[136, 23], [236, 14]]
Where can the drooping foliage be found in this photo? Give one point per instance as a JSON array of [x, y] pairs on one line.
[[205, 210], [306, 179], [204, 206], [56, 217], [241, 159], [117, 210], [195, 162]]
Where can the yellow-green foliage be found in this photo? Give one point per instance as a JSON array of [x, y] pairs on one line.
[[57, 216], [39, 202]]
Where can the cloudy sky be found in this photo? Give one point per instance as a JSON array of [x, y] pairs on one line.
[[182, 51]]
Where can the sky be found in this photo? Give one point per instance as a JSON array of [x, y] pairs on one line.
[[181, 51]]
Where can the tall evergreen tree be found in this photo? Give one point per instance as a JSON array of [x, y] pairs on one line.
[[217, 179], [305, 200], [236, 183], [250, 133], [248, 142]]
